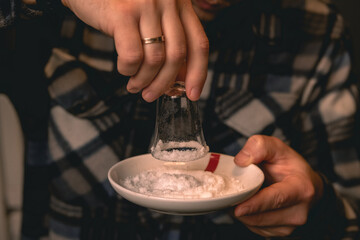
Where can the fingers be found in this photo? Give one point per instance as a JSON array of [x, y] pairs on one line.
[[278, 215], [128, 46], [154, 67], [259, 148], [154, 54], [278, 195], [175, 50], [197, 52], [281, 231], [291, 216]]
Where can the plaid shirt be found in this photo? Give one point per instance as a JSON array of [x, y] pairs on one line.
[[7, 13], [280, 68]]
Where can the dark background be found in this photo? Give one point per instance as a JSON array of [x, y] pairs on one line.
[[350, 10]]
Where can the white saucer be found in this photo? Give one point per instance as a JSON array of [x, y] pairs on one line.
[[251, 178]]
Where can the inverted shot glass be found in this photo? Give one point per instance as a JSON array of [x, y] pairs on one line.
[[178, 133]]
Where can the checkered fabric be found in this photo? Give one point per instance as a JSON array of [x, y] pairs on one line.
[[7, 12], [279, 68]]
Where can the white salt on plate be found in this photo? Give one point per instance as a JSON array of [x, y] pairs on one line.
[[179, 151], [183, 184]]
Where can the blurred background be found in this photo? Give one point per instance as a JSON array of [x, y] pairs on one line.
[[351, 12], [11, 133]]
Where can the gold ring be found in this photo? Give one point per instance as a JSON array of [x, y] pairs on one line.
[[153, 40]]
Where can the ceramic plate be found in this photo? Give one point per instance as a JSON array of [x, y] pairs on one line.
[[251, 178]]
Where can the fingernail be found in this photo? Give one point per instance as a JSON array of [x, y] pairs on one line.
[[195, 93], [241, 211], [149, 96], [133, 90], [243, 158]]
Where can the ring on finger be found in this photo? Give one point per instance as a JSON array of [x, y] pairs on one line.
[[159, 39]]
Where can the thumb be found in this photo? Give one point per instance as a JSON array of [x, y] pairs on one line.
[[243, 158], [259, 148]]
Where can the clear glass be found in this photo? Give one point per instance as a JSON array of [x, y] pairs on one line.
[[178, 133]]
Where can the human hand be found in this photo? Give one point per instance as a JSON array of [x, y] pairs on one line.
[[293, 188], [152, 67]]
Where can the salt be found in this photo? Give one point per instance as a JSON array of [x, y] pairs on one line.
[[179, 151], [182, 184]]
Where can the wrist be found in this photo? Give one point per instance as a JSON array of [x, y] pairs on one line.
[[320, 182], [326, 217]]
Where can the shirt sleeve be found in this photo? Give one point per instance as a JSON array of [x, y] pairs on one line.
[[329, 124]]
